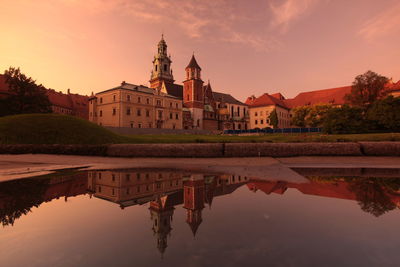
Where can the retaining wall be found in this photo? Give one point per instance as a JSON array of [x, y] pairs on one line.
[[213, 150]]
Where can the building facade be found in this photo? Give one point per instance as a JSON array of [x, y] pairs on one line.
[[135, 106]]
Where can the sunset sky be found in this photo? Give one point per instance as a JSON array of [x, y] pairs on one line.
[[244, 47]]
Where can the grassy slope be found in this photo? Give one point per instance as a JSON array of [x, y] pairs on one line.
[[59, 129], [53, 129]]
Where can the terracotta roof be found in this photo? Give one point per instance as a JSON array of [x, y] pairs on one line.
[[265, 100], [59, 99], [278, 96], [193, 63], [393, 86], [333, 96], [226, 98]]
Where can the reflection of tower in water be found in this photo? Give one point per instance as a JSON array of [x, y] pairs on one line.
[[161, 215], [193, 200]]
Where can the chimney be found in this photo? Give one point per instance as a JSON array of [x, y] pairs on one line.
[[68, 91]]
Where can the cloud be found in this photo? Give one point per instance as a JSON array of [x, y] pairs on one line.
[[385, 23], [285, 12], [214, 20]]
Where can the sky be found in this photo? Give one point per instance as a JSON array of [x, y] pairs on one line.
[[245, 47]]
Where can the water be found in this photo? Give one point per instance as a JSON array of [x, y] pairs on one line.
[[161, 217]]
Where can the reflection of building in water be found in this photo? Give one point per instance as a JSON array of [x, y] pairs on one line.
[[374, 195], [17, 197], [128, 188], [193, 199], [164, 190]]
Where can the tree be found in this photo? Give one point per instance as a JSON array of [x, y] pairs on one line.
[[366, 89], [25, 96], [273, 118], [343, 120], [316, 115], [299, 115], [384, 114]]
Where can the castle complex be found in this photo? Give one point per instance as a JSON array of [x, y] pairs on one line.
[[166, 104]]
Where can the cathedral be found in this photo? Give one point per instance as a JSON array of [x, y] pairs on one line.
[[202, 108]]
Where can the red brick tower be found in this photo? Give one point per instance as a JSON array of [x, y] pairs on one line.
[[193, 92]]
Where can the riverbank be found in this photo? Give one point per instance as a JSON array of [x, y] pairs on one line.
[[279, 169], [213, 150]]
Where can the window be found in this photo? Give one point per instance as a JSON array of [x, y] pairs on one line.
[[114, 98], [101, 113], [160, 114], [147, 101], [113, 192], [139, 125], [150, 126], [131, 125], [139, 112], [99, 189], [177, 116], [114, 111], [128, 111], [128, 177], [165, 67], [156, 67], [170, 115], [113, 177], [128, 98], [177, 105], [170, 104], [261, 121], [138, 176], [256, 122], [158, 102], [138, 99], [147, 113], [255, 114], [101, 100]]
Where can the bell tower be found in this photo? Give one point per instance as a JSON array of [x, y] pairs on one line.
[[161, 66], [193, 92]]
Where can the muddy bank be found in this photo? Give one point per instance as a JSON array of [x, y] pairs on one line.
[[213, 150]]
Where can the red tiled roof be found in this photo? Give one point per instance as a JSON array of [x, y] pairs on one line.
[[59, 99], [265, 100], [278, 96], [333, 96]]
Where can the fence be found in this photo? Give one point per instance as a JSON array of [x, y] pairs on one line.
[[271, 131]]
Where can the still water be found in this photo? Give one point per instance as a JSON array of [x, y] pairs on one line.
[[161, 217]]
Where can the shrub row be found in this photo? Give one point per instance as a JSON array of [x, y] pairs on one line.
[[213, 150]]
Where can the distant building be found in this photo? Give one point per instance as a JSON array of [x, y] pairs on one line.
[[260, 107], [67, 104], [135, 106]]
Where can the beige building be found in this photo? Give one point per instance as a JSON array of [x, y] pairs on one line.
[[135, 106], [260, 109]]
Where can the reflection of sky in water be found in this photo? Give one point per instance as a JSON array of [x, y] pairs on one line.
[[319, 223]]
